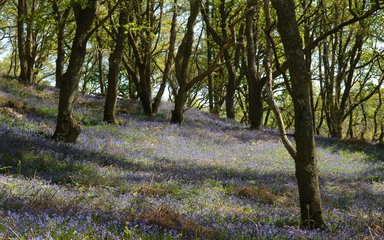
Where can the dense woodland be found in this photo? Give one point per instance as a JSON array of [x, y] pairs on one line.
[[307, 68]]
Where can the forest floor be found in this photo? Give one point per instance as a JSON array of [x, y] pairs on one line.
[[146, 178]]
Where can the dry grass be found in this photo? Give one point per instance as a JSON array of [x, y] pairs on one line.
[[151, 190], [3, 100], [12, 108], [10, 112], [170, 219], [17, 105], [261, 193]]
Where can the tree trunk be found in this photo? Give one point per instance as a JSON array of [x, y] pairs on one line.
[[178, 112], [381, 137], [350, 126], [365, 123], [210, 78], [231, 88], [60, 31], [26, 39], [21, 39], [339, 127], [100, 64], [146, 102], [28, 50], [168, 61], [305, 160], [182, 64], [267, 62], [182, 60], [256, 105], [67, 128], [375, 115], [60, 56], [255, 84], [114, 70]]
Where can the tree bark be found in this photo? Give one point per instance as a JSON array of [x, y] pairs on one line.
[[60, 56], [255, 83], [269, 89], [178, 112], [231, 60], [21, 39], [114, 70], [67, 128], [100, 64], [61, 19], [231, 87], [305, 159], [168, 61], [182, 60], [26, 40], [255, 101], [375, 115], [210, 78]]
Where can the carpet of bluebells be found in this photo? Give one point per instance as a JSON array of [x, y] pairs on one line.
[[148, 179]]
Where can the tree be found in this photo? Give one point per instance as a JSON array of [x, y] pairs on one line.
[[305, 157], [144, 38], [255, 82], [225, 36], [67, 128], [114, 68], [347, 66], [33, 38], [182, 64], [61, 17]]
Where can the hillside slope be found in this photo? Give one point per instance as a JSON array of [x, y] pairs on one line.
[[146, 178]]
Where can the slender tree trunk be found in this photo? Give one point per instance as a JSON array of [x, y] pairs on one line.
[[365, 123], [114, 70], [231, 88], [350, 126], [29, 45], [182, 60], [168, 62], [376, 113], [381, 137], [26, 39], [28, 49], [269, 89], [210, 78], [60, 56], [67, 128], [182, 64], [61, 19], [255, 84], [100, 65], [21, 39], [305, 159]]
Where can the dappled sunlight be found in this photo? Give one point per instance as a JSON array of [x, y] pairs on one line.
[[150, 178]]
